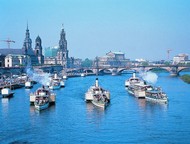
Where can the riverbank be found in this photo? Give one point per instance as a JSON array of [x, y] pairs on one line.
[[186, 78]]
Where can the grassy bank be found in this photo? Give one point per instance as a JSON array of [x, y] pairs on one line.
[[186, 78]]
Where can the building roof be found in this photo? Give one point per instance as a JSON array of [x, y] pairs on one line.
[[115, 53], [10, 51], [118, 52]]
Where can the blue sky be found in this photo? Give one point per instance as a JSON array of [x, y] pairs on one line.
[[139, 28]]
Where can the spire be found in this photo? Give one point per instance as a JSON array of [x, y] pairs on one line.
[[27, 26], [62, 26]]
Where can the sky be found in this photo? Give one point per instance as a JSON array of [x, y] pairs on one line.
[[139, 28]]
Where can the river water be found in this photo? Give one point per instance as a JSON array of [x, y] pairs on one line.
[[125, 120]]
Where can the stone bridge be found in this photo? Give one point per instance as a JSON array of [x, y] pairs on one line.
[[174, 70]]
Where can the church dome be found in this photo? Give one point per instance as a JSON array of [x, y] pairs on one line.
[[38, 39]]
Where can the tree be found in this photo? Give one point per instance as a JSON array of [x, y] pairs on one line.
[[145, 63], [167, 63], [87, 63]]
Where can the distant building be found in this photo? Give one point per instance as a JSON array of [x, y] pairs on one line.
[[14, 60], [180, 58], [112, 59], [60, 55], [38, 50], [51, 51], [2, 60], [50, 61], [75, 63]]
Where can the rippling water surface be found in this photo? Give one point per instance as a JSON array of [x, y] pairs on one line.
[[125, 120]]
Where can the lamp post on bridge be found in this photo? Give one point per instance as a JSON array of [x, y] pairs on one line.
[[96, 63]]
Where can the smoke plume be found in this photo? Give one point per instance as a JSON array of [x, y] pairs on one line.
[[149, 77], [42, 78]]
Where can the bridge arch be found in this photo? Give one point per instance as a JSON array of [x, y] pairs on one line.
[[158, 68], [88, 71], [129, 69], [182, 69], [105, 70]]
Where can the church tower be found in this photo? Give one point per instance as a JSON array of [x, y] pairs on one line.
[[27, 48], [62, 53], [38, 50]]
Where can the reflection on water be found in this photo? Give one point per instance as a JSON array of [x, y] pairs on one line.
[[149, 109], [154, 105], [94, 113], [144, 104], [126, 120], [5, 106], [141, 102]]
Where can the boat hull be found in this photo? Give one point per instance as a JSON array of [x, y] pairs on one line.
[[28, 87], [54, 87], [41, 107], [99, 104], [62, 84], [156, 100], [6, 92], [7, 95]]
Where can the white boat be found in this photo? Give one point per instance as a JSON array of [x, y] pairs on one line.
[[6, 92], [41, 103], [28, 84], [97, 95], [134, 80], [54, 85], [82, 75], [65, 77], [42, 98], [100, 100], [62, 83], [139, 90], [56, 82], [156, 95]]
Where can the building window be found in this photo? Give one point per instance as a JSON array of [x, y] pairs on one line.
[[37, 52]]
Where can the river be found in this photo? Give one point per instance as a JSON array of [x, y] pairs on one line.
[[72, 120]]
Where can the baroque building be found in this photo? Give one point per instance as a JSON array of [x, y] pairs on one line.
[[38, 50], [112, 59], [15, 60], [62, 53], [181, 58], [35, 55]]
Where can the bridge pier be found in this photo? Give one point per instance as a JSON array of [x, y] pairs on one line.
[[173, 74], [174, 71]]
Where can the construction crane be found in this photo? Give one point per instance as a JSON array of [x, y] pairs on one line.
[[8, 41], [168, 53]]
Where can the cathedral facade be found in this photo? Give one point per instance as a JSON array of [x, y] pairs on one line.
[[62, 56], [35, 55], [62, 53]]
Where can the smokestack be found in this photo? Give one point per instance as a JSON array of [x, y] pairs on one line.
[[133, 75], [96, 82]]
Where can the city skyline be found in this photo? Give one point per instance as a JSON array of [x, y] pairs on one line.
[[139, 28]]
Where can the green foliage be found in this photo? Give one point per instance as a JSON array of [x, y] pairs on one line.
[[87, 63], [167, 63], [144, 64], [186, 78]]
